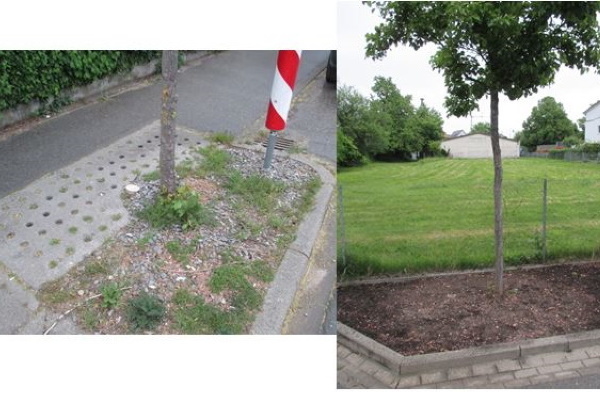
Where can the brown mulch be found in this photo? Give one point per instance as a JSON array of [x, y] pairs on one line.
[[435, 314]]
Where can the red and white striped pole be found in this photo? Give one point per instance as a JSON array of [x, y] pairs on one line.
[[288, 62]]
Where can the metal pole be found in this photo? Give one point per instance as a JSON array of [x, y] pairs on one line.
[[544, 220], [270, 149], [341, 224]]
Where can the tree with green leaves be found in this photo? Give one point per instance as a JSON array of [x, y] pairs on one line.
[[363, 126], [426, 124], [488, 48], [481, 127], [168, 179], [388, 100], [548, 123]]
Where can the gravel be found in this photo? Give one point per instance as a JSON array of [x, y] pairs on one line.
[[149, 267]]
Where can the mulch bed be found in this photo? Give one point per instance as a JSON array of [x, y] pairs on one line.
[[444, 313]]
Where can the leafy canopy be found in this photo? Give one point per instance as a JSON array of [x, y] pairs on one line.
[[548, 124], [505, 47]]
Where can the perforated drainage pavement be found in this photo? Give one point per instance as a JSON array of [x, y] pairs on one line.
[[52, 224]]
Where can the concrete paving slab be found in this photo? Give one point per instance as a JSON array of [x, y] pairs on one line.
[[17, 304], [51, 225]]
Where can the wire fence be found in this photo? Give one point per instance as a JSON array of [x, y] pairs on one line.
[[566, 155], [544, 219]]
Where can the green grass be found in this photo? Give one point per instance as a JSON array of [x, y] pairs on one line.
[[437, 214], [222, 138], [180, 252], [257, 190], [151, 176], [214, 161]]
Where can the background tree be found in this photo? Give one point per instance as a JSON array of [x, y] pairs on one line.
[[548, 124], [488, 48], [362, 125], [168, 179], [388, 100], [481, 127], [426, 124]]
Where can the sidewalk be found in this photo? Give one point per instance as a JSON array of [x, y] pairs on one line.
[[51, 224], [359, 371]]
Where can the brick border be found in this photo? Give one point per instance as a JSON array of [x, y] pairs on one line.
[[396, 362]]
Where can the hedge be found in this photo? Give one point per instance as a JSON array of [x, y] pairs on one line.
[[40, 75]]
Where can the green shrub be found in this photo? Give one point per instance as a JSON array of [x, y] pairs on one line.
[[145, 312], [42, 75], [593, 148], [183, 208]]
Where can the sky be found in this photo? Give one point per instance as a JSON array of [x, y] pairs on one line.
[[413, 75]]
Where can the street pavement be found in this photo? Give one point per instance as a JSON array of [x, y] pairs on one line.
[[579, 368], [66, 171], [225, 92]]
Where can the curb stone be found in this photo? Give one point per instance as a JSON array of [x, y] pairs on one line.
[[412, 277], [280, 295], [435, 361]]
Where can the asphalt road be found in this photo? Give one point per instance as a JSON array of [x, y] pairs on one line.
[[226, 92]]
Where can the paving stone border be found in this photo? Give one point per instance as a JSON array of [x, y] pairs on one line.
[[396, 362]]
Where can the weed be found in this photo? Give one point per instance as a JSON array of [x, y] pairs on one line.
[[214, 161], [179, 252], [151, 176], [276, 221], [111, 295], [63, 189], [185, 168], [33, 206], [146, 239], [221, 138], [96, 268], [90, 319], [53, 293], [261, 270], [54, 242], [145, 312], [310, 190], [183, 208], [193, 316], [233, 278], [257, 190]]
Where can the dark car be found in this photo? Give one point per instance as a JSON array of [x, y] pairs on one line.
[[331, 73]]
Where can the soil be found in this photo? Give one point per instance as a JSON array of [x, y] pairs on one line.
[[451, 312]]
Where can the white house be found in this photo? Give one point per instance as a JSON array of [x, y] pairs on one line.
[[592, 123], [478, 145]]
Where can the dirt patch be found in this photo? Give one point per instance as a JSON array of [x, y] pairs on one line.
[[444, 313]]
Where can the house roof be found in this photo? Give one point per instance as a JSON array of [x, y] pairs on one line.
[[592, 107], [471, 134]]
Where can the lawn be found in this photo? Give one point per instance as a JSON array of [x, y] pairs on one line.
[[437, 214]]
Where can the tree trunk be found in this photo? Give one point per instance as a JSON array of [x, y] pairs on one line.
[[168, 180], [498, 205]]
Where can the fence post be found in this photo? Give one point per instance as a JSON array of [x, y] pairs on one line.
[[544, 220], [341, 225]]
